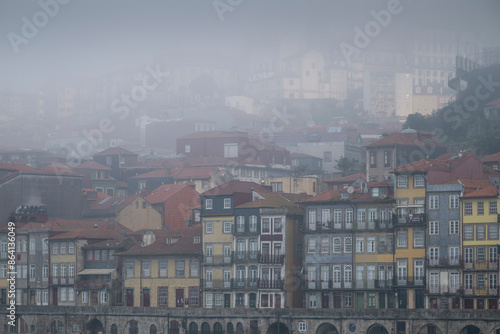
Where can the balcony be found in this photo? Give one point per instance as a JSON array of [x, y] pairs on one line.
[[377, 224], [218, 260], [242, 283], [270, 284], [245, 256], [94, 284], [442, 289], [479, 265], [410, 281], [268, 258], [61, 280], [411, 219], [442, 262], [329, 226], [479, 291], [384, 283], [218, 284], [245, 231]]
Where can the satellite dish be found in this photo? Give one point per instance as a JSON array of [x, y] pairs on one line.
[[350, 190]]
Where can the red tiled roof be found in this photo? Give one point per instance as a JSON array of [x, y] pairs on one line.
[[92, 165], [348, 178], [405, 139], [495, 157], [57, 168], [272, 200], [62, 225], [232, 187], [445, 161], [194, 173], [89, 233], [18, 168], [115, 150], [100, 195], [209, 161], [163, 192], [183, 246], [163, 172], [490, 191], [116, 203]]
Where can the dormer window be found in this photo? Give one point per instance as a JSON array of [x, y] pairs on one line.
[[227, 203], [197, 239], [344, 195]]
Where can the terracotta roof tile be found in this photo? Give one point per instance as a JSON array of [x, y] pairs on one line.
[[232, 187], [163, 192], [163, 172], [495, 157], [116, 150], [116, 203], [349, 178], [184, 245]]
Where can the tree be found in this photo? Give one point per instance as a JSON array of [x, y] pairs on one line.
[[345, 165]]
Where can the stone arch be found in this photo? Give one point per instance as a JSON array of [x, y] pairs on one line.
[[229, 328], [239, 328], [495, 330], [327, 328], [56, 327], [174, 327], [278, 327], [377, 329], [205, 328], [193, 328], [152, 329], [114, 329], [471, 329], [217, 328], [95, 326], [429, 328]]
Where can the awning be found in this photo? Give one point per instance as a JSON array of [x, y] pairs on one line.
[[96, 271]]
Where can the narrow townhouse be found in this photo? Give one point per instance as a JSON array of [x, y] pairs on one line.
[[442, 240], [479, 203], [410, 223], [278, 243], [217, 215]]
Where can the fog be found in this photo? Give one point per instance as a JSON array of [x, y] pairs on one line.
[[93, 38]]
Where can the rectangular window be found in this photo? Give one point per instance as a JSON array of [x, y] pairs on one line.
[[71, 247], [387, 159], [277, 225], [312, 220], [209, 227], [162, 269], [97, 255], [402, 181], [434, 228], [208, 204], [163, 296], [179, 269], [493, 208], [360, 243], [337, 246], [104, 297], [32, 245], [434, 202], [480, 230], [493, 232], [418, 181], [129, 269], [63, 247], [480, 208], [454, 202], [71, 270], [325, 245], [418, 239], [373, 159], [146, 269], [266, 228], [227, 203], [454, 227], [469, 232], [208, 300], [194, 269], [480, 254], [311, 246], [468, 208], [327, 156], [55, 248], [227, 227], [402, 239], [63, 294], [218, 299], [370, 244], [230, 150]]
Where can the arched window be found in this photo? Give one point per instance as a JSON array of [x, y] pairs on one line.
[[152, 329], [252, 249], [114, 329], [205, 328], [239, 328], [230, 328], [217, 328], [133, 327], [193, 328]]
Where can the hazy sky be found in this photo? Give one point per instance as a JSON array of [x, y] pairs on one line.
[[95, 37]]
